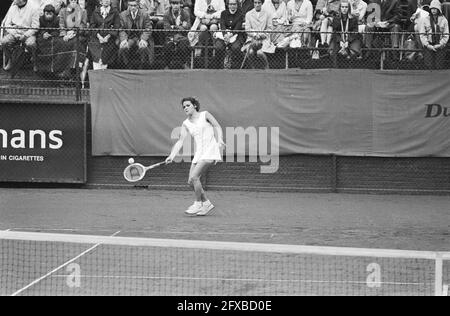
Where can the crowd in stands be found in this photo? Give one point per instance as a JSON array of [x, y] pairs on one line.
[[61, 35]]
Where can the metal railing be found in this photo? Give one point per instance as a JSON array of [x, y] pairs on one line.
[[168, 49]]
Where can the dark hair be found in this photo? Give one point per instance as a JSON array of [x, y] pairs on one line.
[[50, 8], [194, 102]]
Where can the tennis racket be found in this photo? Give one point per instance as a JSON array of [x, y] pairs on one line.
[[136, 172]]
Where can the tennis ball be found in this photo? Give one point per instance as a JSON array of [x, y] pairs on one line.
[[131, 161]]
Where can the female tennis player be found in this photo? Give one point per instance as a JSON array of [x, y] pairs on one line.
[[208, 137]]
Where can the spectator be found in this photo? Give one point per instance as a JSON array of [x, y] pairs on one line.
[[421, 14], [359, 9], [434, 36], [300, 14], [102, 46], [20, 18], [389, 21], [229, 42], [315, 40], [119, 5], [90, 7], [258, 42], [176, 46], [329, 9], [278, 10], [140, 40], [57, 4], [246, 6], [48, 32], [416, 19], [72, 21], [207, 13], [156, 9], [346, 40]]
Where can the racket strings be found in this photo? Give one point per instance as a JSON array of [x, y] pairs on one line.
[[135, 172]]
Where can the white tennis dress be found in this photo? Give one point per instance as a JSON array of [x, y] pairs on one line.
[[206, 145]]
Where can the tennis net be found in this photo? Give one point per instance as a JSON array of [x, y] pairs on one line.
[[64, 264]]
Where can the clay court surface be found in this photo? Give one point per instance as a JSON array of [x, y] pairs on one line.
[[342, 220]]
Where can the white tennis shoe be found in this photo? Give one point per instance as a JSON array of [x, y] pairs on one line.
[[206, 208], [194, 209]]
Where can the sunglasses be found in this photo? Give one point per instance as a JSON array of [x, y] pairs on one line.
[[186, 106]]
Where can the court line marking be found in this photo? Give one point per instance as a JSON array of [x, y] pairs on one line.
[[237, 280], [145, 231], [60, 267]]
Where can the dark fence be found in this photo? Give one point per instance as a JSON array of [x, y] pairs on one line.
[[65, 64]]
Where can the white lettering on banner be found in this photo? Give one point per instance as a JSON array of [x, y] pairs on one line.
[[25, 158], [36, 138], [238, 141]]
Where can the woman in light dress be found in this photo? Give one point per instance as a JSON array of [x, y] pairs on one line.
[[208, 137]]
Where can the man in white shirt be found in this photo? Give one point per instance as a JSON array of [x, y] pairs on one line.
[[23, 21]]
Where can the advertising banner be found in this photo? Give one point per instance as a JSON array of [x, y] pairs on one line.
[[42, 142], [338, 111]]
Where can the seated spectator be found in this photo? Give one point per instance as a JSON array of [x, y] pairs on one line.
[[389, 22], [20, 18], [359, 9], [188, 6], [177, 47], [346, 40], [72, 21], [315, 40], [46, 36], [229, 42], [57, 4], [258, 42], [207, 13], [139, 40], [434, 34], [329, 9], [300, 15], [156, 9], [413, 40], [90, 7], [102, 45], [246, 6], [278, 10], [119, 5], [421, 14]]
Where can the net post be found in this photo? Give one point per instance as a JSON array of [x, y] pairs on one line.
[[438, 275]]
